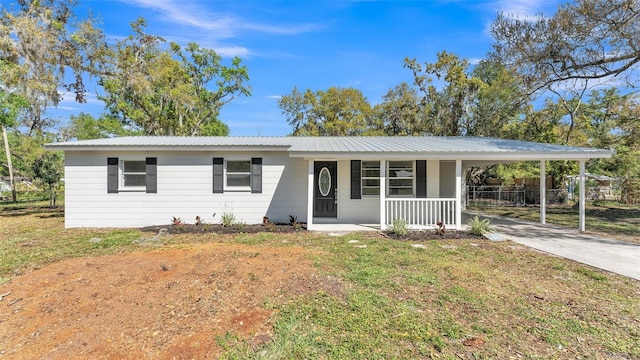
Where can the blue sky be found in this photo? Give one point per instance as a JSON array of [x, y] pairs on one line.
[[309, 44]]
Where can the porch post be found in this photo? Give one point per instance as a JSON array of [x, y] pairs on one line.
[[458, 194], [383, 192], [543, 192], [582, 197], [310, 178]]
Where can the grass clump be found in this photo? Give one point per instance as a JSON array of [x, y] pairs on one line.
[[399, 227], [228, 220], [479, 227]]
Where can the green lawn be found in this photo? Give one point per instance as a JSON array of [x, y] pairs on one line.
[[453, 299]]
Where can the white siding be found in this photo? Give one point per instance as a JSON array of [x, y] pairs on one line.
[[355, 211], [447, 179], [433, 178], [184, 190]]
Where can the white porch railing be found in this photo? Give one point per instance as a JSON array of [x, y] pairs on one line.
[[421, 213]]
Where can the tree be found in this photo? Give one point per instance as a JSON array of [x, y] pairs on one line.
[[448, 109], [44, 41], [47, 168], [400, 112], [84, 127], [499, 103], [165, 92], [585, 39], [10, 106], [334, 112], [613, 121]]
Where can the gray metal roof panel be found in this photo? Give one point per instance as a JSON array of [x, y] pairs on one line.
[[331, 145]]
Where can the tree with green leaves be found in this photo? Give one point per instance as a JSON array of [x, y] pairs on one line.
[[400, 112], [48, 169], [499, 102], [613, 121], [449, 109], [334, 112], [10, 107], [583, 40], [167, 92], [46, 45], [85, 127]]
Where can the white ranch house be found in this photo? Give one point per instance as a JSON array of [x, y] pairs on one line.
[[142, 181]]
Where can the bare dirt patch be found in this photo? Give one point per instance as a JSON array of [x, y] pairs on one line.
[[163, 303]]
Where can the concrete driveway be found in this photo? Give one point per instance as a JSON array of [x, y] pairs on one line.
[[612, 255]]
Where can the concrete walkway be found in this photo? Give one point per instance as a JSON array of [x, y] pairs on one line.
[[612, 255]]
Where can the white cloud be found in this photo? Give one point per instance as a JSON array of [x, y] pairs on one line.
[[276, 97], [68, 108], [526, 9], [232, 51], [220, 25], [69, 98]]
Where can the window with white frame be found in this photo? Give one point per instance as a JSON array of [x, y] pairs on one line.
[[239, 174], [134, 174], [370, 178], [400, 178]]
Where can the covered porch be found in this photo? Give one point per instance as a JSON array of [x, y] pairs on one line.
[[374, 180], [371, 194], [424, 208]]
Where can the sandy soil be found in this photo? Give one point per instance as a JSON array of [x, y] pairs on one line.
[[166, 303]]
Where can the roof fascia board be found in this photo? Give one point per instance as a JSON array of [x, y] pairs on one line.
[[259, 148]]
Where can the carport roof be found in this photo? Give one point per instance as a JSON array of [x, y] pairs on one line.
[[435, 147]]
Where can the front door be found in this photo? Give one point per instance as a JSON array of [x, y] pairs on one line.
[[325, 203]]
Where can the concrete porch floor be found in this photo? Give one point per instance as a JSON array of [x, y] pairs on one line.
[[328, 228]]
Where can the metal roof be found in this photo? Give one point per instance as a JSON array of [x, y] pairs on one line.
[[169, 141], [342, 147]]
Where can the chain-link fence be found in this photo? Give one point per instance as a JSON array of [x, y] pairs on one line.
[[495, 195], [31, 198]]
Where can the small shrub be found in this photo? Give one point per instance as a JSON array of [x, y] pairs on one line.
[[479, 227], [227, 219], [177, 221], [400, 227]]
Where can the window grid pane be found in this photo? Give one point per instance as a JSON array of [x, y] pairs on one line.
[[370, 178], [134, 173], [238, 180], [238, 173], [370, 191], [401, 178], [238, 166], [134, 167], [134, 180]]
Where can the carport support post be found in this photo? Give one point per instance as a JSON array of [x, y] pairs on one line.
[[310, 189], [383, 191], [543, 192], [582, 199]]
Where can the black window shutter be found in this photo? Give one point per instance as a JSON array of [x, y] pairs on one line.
[[256, 175], [152, 175], [421, 178], [218, 181], [112, 175], [356, 186]]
